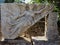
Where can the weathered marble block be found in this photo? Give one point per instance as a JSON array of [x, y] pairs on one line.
[[17, 18]]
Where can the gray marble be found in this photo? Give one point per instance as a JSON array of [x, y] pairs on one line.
[[16, 18]]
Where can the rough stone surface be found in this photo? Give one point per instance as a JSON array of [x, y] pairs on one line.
[[55, 42], [0, 23], [23, 42], [15, 42], [52, 32]]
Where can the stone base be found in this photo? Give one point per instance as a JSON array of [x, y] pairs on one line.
[[50, 42], [15, 42], [35, 42]]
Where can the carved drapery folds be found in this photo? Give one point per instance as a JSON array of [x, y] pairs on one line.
[[17, 18]]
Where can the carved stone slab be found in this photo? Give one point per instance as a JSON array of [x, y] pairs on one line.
[[17, 18]]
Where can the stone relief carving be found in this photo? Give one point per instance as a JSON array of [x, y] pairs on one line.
[[17, 18]]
